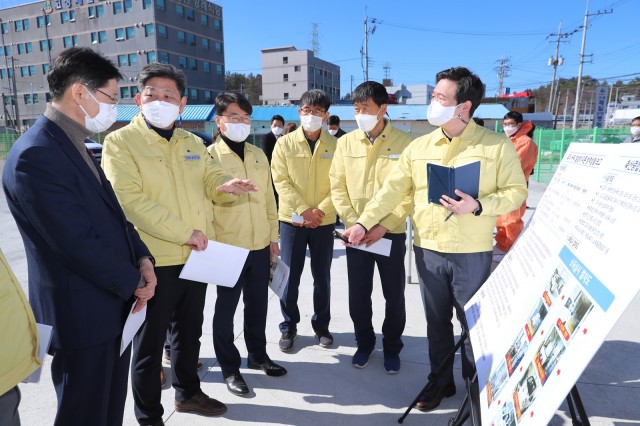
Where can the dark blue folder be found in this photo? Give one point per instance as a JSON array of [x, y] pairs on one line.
[[443, 180]]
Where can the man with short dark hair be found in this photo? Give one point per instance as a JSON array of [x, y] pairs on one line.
[[86, 262], [165, 180], [269, 139], [510, 225], [453, 254], [635, 131], [300, 169], [250, 222], [333, 127], [363, 159]]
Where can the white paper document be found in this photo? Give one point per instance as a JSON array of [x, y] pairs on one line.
[[131, 326], [220, 264], [45, 333], [382, 247], [297, 219], [279, 277]]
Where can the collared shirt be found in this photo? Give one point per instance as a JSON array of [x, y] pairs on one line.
[[359, 169], [502, 189], [251, 221], [76, 132], [301, 177], [165, 187]]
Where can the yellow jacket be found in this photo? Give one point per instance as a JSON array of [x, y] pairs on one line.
[[165, 188], [502, 189], [18, 333], [301, 177], [358, 171], [250, 222]]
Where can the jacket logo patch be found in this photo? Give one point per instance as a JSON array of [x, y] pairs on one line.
[[192, 157], [394, 156], [326, 156]]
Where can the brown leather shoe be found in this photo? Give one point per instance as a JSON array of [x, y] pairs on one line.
[[201, 404], [431, 399]]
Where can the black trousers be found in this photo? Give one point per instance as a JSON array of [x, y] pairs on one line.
[[9, 402], [91, 384], [360, 269], [253, 284], [180, 302], [293, 251]]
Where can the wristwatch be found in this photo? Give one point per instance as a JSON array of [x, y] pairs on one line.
[[478, 211]]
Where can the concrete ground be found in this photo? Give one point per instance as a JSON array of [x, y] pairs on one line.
[[322, 388]]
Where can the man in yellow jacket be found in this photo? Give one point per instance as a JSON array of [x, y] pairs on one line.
[[18, 343], [453, 253], [165, 180], [250, 222], [300, 169], [363, 159]]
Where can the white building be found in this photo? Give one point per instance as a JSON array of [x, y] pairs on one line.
[[288, 72], [413, 94]]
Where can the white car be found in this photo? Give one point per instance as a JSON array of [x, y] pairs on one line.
[[94, 149]]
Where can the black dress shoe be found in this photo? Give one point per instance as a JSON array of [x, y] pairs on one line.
[[237, 385], [431, 399], [268, 366]]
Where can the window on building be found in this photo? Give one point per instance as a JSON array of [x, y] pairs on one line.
[[45, 69], [286, 95], [191, 39], [40, 21], [47, 96], [133, 59], [125, 93], [149, 30], [43, 45], [189, 14], [204, 19], [163, 57], [179, 10], [72, 16], [27, 99], [182, 37], [34, 98], [297, 68], [193, 64], [205, 43], [20, 48], [127, 6], [131, 32], [94, 38], [119, 34], [206, 66], [117, 7], [5, 28], [24, 71], [208, 96], [3, 73], [182, 62], [102, 36], [218, 47], [96, 11], [193, 94], [285, 77], [152, 57], [66, 41], [217, 24], [146, 4], [219, 69], [25, 23], [64, 17], [160, 5], [17, 25], [162, 30], [134, 91], [285, 59], [7, 50], [32, 70], [122, 60]]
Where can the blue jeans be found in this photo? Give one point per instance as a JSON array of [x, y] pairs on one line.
[[293, 249]]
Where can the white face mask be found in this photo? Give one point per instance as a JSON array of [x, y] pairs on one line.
[[277, 130], [103, 119], [332, 132], [438, 114], [310, 122], [160, 114], [635, 130], [510, 130], [237, 132], [366, 122]]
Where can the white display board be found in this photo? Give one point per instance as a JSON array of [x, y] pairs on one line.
[[542, 315]]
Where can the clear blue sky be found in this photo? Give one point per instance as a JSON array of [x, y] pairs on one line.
[[421, 37]]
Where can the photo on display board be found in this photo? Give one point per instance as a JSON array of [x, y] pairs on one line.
[[548, 354], [516, 352], [506, 416], [535, 319], [573, 312], [526, 390], [496, 382]]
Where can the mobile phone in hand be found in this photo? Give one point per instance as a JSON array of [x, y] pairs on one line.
[[341, 237]]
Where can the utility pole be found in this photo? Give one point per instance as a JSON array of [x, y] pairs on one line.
[[555, 62], [504, 70], [315, 39], [365, 53], [576, 111], [14, 96]]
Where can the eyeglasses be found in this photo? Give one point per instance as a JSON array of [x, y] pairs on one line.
[[315, 111], [113, 100], [237, 119]]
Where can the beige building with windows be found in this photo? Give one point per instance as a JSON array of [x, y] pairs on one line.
[[288, 72]]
